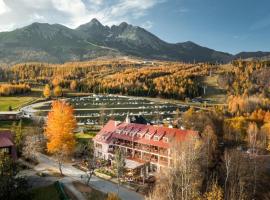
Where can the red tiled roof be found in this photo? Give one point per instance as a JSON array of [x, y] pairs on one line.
[[129, 132], [5, 139]]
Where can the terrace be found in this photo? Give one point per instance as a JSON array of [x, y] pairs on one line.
[[141, 147]]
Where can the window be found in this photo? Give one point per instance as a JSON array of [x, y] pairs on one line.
[[147, 136], [118, 131], [156, 138], [140, 134], [165, 139], [98, 146]]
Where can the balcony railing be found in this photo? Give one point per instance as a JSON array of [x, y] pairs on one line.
[[142, 148]]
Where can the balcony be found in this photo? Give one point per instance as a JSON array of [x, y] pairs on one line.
[[141, 147]]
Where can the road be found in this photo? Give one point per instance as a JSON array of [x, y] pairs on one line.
[[46, 162]]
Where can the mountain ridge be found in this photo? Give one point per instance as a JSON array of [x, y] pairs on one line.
[[56, 43]]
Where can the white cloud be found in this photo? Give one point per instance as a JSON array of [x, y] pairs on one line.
[[97, 2], [3, 7], [72, 13], [147, 25]]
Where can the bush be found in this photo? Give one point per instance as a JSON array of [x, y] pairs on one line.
[[112, 196]]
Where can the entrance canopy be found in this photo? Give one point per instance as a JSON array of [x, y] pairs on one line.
[[132, 164]]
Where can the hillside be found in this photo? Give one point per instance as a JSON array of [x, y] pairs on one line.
[[56, 43], [253, 55]]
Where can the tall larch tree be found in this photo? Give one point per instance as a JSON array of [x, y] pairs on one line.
[[57, 91], [47, 91], [59, 131], [73, 85]]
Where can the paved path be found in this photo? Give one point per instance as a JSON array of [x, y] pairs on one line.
[[69, 185], [36, 181], [76, 174]]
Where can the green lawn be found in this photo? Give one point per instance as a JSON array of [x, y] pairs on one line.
[[15, 102], [85, 135], [45, 193]]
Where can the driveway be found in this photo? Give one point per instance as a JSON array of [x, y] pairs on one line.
[[46, 162]]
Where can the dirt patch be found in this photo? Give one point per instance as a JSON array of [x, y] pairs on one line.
[[82, 187], [89, 192]]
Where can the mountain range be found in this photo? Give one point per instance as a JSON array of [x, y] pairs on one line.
[[56, 43]]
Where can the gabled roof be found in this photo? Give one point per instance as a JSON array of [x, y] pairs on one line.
[[125, 131], [6, 139]]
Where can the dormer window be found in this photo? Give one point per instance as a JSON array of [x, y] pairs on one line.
[[147, 136], [118, 131], [165, 139], [156, 138]]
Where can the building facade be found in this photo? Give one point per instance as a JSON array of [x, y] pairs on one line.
[[140, 142], [10, 115]]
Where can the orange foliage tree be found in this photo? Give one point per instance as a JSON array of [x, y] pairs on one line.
[[59, 131]]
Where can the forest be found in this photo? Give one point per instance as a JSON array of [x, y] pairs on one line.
[[162, 79], [12, 89], [228, 158]]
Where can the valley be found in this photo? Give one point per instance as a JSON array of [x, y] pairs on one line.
[[134, 100]]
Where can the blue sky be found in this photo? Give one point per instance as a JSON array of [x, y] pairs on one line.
[[226, 25]]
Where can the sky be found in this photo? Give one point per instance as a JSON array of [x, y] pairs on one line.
[[226, 25]]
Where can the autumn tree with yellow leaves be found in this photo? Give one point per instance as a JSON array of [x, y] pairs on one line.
[[215, 193], [73, 85], [47, 91], [57, 91], [59, 131]]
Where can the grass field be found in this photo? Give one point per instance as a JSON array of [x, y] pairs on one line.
[[15, 102], [85, 135], [213, 91]]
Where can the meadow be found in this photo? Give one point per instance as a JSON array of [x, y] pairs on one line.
[[15, 102]]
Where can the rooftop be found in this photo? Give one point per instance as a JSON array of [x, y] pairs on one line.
[[10, 112], [132, 164], [5, 139], [141, 133]]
